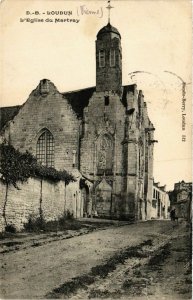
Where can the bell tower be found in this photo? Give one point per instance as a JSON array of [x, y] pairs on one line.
[[108, 59]]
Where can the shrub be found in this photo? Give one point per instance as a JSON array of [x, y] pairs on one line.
[[34, 224], [18, 167], [68, 215], [10, 228], [52, 174]]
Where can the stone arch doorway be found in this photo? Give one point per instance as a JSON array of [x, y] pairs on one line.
[[103, 203], [84, 202]]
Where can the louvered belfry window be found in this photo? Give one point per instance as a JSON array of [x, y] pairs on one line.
[[102, 58], [45, 149], [112, 58]]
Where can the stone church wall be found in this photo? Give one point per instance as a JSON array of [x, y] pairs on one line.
[[46, 110], [25, 202], [100, 121]]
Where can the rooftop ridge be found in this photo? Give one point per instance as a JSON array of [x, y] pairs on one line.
[[79, 90]]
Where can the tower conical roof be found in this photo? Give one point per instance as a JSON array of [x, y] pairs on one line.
[[108, 29]]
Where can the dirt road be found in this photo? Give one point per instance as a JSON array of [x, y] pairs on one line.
[[99, 262]]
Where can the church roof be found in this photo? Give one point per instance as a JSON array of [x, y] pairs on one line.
[[7, 114], [108, 29], [78, 100]]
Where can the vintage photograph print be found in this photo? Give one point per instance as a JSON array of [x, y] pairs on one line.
[[95, 149]]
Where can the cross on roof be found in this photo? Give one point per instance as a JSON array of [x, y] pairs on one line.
[[109, 7]]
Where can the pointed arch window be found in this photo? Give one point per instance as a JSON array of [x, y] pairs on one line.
[[45, 149], [101, 58], [112, 57]]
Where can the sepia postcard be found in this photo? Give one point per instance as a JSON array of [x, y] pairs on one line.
[[95, 149]]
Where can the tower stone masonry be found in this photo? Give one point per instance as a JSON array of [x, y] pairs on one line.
[[108, 60]]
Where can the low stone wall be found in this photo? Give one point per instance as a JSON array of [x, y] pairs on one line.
[[22, 203]]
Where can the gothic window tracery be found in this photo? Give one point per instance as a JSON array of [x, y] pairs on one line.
[[105, 154], [45, 149]]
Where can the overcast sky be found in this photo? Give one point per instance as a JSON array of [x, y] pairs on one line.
[[156, 37]]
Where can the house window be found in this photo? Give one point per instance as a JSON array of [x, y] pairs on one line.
[[45, 149], [101, 58], [112, 58]]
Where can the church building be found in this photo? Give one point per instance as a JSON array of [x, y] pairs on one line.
[[103, 133]]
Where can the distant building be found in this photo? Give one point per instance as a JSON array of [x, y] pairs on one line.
[[160, 202], [181, 199], [183, 185], [183, 190]]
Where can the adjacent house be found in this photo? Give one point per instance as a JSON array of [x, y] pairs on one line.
[[160, 202]]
